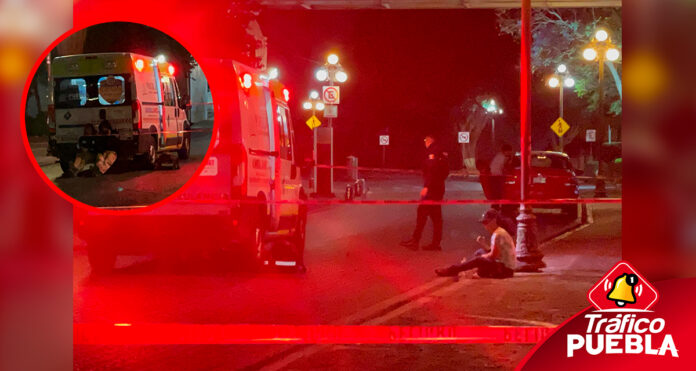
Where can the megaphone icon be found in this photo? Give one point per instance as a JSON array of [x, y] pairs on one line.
[[622, 291]]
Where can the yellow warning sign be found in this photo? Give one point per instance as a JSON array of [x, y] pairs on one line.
[[560, 127], [313, 122]]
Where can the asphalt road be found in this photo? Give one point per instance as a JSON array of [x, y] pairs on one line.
[[134, 187], [354, 262]]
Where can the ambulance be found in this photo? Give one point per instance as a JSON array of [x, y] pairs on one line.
[[136, 94], [248, 200]]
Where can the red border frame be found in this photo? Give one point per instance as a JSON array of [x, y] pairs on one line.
[[53, 186]]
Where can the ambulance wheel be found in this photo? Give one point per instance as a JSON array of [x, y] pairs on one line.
[[253, 229], [101, 259], [300, 237], [150, 156], [185, 150]]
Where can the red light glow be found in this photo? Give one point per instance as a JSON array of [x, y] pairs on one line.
[[139, 65], [171, 70], [286, 95]]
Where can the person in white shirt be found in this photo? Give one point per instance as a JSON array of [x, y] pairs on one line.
[[496, 260]]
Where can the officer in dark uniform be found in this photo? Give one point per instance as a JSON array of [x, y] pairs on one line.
[[435, 171]]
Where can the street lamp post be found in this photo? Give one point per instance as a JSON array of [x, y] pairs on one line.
[[528, 254], [331, 71], [560, 80], [601, 49], [492, 108], [314, 104]]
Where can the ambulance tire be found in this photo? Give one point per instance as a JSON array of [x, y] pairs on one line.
[[101, 259], [185, 151], [300, 236], [150, 155], [253, 231]]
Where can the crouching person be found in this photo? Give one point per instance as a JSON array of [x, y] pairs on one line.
[[497, 260]]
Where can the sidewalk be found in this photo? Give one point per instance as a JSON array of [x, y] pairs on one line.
[[575, 262], [39, 148]]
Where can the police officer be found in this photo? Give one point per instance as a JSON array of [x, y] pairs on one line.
[[435, 171]]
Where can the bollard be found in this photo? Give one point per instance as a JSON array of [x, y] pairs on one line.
[[352, 165], [349, 192], [600, 187]]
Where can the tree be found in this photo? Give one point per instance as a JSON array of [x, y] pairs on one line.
[[471, 116], [560, 36]]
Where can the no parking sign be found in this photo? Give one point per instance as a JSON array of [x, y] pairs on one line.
[[331, 94]]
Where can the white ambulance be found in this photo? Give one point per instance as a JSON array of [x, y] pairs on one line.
[[136, 94], [248, 198]]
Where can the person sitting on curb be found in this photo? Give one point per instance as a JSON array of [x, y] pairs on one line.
[[494, 261]]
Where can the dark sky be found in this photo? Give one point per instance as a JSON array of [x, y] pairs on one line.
[[407, 71]]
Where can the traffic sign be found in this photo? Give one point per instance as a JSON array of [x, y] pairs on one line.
[[591, 135], [384, 140], [560, 126], [330, 111], [331, 94], [463, 137], [313, 122]]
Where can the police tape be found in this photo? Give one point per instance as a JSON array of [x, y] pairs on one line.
[[186, 333], [192, 199], [413, 171]]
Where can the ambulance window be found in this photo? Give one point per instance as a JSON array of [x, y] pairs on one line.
[[284, 140], [111, 90], [72, 93], [167, 91]]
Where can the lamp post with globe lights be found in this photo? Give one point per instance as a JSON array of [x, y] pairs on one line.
[[492, 108], [602, 50], [314, 104], [561, 79], [330, 72]]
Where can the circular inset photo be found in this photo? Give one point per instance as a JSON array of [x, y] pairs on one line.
[[118, 115]]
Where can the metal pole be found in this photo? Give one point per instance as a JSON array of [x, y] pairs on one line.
[[493, 132], [331, 170], [314, 154], [560, 105], [528, 254]]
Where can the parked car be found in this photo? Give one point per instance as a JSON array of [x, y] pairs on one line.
[[551, 177]]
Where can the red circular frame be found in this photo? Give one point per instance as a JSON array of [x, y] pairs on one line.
[[54, 187]]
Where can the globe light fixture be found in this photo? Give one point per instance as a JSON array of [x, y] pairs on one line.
[[601, 35], [320, 106], [562, 68], [569, 82], [589, 54], [332, 59], [314, 94], [307, 105], [322, 74], [612, 54], [553, 82], [341, 76]]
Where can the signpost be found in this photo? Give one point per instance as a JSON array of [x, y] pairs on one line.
[[331, 111], [591, 136], [331, 94], [463, 137], [560, 127], [384, 142], [313, 122]]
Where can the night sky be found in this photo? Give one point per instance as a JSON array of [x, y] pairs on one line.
[[407, 70]]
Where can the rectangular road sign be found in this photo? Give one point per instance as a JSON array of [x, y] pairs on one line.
[[384, 140], [330, 111], [591, 135], [463, 137], [331, 94]]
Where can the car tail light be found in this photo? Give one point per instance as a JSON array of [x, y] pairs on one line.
[[137, 115]]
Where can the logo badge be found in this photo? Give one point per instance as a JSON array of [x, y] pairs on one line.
[[623, 289], [67, 115]]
